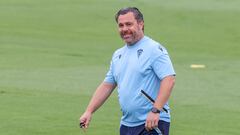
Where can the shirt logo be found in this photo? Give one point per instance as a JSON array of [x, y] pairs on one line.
[[119, 56], [160, 48], [139, 52]]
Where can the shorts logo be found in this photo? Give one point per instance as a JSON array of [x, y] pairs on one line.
[[139, 52]]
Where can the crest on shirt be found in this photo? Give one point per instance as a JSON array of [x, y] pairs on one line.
[[139, 52]]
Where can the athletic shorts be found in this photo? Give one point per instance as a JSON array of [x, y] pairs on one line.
[[140, 130]]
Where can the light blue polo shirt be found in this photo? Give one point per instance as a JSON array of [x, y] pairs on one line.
[[139, 67]]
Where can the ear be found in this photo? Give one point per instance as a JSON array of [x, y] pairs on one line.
[[141, 24]]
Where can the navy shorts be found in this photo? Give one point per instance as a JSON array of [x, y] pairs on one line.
[[140, 130]]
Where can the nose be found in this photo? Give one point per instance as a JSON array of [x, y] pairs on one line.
[[124, 29]]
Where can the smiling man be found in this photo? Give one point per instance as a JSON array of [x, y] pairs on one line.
[[141, 64], [131, 30]]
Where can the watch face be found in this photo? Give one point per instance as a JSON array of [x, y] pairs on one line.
[[155, 110]]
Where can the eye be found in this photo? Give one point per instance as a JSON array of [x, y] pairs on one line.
[[120, 25], [128, 24]]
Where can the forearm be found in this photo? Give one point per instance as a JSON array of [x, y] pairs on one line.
[[103, 91], [165, 91]]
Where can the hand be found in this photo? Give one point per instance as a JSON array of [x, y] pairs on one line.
[[151, 121], [85, 120]]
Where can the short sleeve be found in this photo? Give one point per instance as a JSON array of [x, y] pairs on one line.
[[109, 78], [161, 63]]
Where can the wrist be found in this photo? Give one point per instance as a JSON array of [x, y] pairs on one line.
[[161, 108], [89, 111]]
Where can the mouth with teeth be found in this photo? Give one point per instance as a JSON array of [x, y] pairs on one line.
[[126, 35]]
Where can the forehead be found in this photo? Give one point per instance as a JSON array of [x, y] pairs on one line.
[[129, 17]]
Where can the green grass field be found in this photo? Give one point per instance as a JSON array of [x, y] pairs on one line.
[[54, 53]]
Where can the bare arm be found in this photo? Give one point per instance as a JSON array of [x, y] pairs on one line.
[[101, 94], [164, 93]]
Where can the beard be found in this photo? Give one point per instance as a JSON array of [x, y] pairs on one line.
[[130, 37]]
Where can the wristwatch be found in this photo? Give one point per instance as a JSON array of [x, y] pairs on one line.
[[155, 110]]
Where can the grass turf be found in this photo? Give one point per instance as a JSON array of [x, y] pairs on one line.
[[53, 54]]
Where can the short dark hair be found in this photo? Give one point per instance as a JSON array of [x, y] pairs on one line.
[[136, 12]]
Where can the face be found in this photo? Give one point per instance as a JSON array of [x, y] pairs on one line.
[[129, 28]]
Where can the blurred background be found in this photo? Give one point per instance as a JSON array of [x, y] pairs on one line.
[[54, 53]]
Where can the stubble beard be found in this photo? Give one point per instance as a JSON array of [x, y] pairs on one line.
[[132, 39]]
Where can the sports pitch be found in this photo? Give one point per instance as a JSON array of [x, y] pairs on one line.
[[54, 53]]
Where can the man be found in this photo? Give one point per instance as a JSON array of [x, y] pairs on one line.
[[142, 64]]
